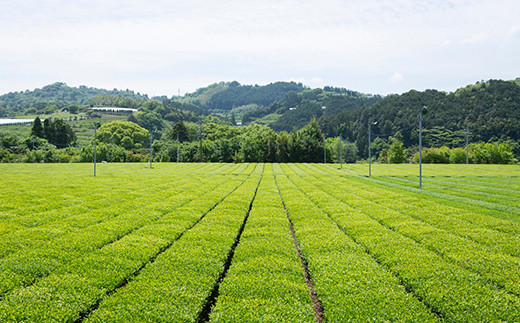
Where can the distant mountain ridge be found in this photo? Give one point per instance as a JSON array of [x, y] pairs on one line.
[[489, 109], [228, 95], [58, 95]]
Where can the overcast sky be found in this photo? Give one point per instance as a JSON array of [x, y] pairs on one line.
[[162, 47]]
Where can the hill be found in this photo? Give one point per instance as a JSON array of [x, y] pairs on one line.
[[225, 96], [53, 97], [491, 111], [281, 105]]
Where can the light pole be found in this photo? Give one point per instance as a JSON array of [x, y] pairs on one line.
[[422, 111], [324, 142], [96, 124], [150, 132], [177, 147], [467, 145], [324, 149], [340, 152], [370, 124], [201, 135]]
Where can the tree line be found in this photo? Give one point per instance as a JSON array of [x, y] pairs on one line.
[[490, 111], [124, 141]]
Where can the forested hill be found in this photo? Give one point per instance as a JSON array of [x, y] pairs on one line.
[[491, 111], [281, 105], [229, 95], [59, 95]]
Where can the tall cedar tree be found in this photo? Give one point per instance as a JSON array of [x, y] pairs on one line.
[[37, 128]]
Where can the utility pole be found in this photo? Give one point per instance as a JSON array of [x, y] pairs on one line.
[[370, 124], [33, 148], [177, 147], [324, 149], [467, 145], [340, 152], [422, 111], [150, 132], [95, 145], [201, 135]]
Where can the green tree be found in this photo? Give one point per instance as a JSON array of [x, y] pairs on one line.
[[127, 143], [257, 143], [348, 149], [48, 131], [458, 156], [396, 152], [114, 132], [282, 147], [311, 142], [233, 120], [37, 128], [150, 120], [73, 108], [179, 129], [63, 134]]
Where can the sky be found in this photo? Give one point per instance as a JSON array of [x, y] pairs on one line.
[[169, 47]]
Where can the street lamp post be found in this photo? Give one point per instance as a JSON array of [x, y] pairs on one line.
[[177, 147], [340, 152], [324, 149], [467, 145], [201, 135], [324, 142], [370, 124], [96, 124], [422, 110], [151, 153]]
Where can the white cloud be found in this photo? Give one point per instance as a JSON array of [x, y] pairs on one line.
[[515, 30], [397, 77], [475, 39], [355, 44], [316, 81]]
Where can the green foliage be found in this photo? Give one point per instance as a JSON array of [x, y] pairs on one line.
[[257, 143], [441, 265], [149, 120], [225, 96], [348, 149], [480, 153], [5, 155], [436, 155], [62, 134], [122, 133], [141, 244], [57, 132], [396, 153], [489, 109], [111, 100], [37, 128], [108, 152], [180, 131], [213, 131], [265, 281], [309, 141], [330, 252], [73, 108], [299, 108], [57, 96], [492, 153], [458, 156]]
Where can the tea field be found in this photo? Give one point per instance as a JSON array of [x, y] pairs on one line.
[[259, 243]]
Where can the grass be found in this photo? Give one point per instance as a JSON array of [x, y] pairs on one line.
[[196, 242]]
